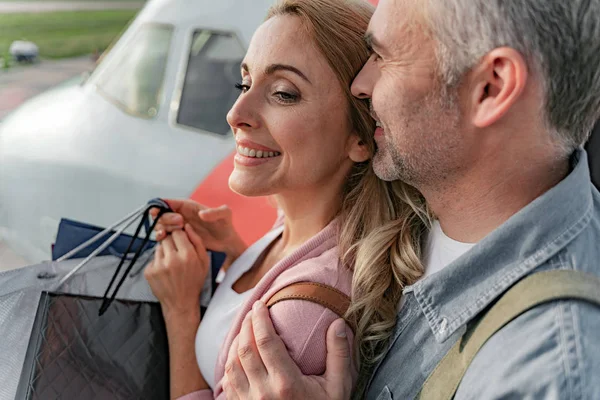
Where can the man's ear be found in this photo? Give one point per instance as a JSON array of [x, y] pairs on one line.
[[498, 82], [358, 151]]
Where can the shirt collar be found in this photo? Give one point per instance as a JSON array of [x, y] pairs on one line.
[[453, 296]]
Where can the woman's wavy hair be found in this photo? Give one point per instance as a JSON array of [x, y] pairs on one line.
[[382, 223]]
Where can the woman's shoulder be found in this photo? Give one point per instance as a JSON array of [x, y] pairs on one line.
[[301, 324], [324, 268]]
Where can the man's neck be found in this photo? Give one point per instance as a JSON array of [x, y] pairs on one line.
[[482, 200]]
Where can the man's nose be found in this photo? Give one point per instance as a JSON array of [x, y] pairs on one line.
[[362, 86]]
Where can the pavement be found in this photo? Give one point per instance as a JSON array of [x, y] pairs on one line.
[[11, 7], [9, 259], [21, 83]]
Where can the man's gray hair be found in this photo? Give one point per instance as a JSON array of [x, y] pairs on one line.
[[559, 39]]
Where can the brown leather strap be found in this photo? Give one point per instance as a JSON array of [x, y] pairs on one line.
[[324, 295]]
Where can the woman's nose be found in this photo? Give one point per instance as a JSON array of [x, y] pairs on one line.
[[243, 114]]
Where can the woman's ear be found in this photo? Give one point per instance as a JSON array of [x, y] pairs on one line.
[[358, 151]]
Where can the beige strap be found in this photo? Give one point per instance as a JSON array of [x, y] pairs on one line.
[[534, 290], [324, 295]]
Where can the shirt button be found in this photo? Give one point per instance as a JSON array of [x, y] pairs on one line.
[[443, 326]]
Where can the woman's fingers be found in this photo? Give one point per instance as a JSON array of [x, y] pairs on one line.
[[215, 214], [172, 219], [159, 254], [196, 241], [168, 246], [182, 242], [168, 223]]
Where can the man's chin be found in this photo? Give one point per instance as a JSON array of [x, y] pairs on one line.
[[384, 168]]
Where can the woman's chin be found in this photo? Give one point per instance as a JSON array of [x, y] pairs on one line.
[[245, 187]]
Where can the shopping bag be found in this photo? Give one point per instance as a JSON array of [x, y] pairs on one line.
[[73, 233], [21, 297], [76, 354], [84, 237], [86, 347], [20, 292]]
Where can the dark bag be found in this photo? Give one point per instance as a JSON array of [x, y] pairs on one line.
[[98, 347], [73, 233], [75, 354]]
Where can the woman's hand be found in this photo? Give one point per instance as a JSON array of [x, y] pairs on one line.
[[213, 225], [177, 273], [176, 276]]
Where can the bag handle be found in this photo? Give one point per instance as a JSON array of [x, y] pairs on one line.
[[534, 290], [106, 299], [318, 293], [128, 221]]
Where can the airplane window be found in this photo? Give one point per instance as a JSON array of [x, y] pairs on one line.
[[135, 81], [209, 88]]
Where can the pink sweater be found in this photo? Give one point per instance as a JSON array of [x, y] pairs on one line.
[[302, 325]]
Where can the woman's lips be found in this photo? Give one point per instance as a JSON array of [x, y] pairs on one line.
[[248, 161], [245, 143]]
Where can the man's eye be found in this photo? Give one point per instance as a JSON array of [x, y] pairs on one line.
[[375, 57], [242, 87]]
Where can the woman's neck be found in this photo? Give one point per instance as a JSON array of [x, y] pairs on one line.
[[306, 214]]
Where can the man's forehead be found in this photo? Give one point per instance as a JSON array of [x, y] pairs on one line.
[[397, 23]]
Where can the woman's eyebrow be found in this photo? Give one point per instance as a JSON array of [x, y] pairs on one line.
[[271, 69]]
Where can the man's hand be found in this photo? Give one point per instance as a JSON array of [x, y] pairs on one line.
[[259, 366]]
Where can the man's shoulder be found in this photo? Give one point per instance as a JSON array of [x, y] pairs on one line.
[[549, 352]]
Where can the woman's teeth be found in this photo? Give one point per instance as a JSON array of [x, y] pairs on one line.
[[378, 124], [256, 153]]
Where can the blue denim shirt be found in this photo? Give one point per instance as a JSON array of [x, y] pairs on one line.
[[550, 352]]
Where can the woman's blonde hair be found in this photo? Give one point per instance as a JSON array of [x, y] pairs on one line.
[[382, 223]]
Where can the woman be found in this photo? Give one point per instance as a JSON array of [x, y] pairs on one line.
[[304, 139]]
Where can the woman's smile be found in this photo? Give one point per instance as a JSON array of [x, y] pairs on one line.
[[251, 154]]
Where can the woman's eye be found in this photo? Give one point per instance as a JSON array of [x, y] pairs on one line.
[[375, 57], [242, 87], [286, 97]]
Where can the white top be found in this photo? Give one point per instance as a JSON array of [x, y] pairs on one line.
[[441, 250], [224, 306]]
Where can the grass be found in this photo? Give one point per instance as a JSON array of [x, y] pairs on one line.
[[64, 34]]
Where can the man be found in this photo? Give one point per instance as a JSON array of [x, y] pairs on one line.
[[483, 106]]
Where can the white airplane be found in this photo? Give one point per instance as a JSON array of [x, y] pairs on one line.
[[149, 121]]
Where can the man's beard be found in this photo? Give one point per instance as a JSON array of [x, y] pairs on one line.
[[430, 146], [389, 164]]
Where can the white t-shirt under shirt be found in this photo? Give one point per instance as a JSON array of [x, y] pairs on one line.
[[441, 250]]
